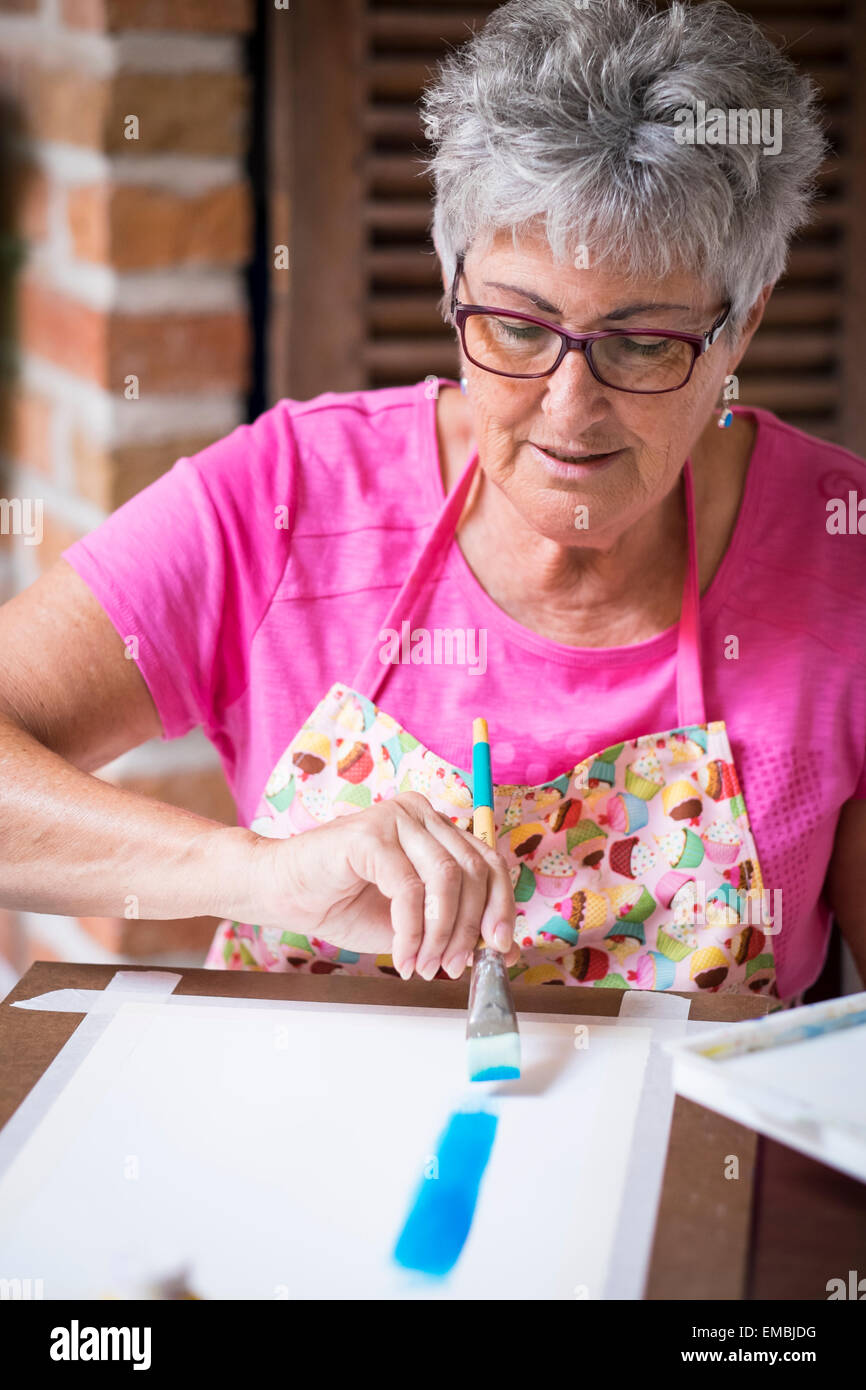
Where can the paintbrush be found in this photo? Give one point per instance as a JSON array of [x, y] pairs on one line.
[[493, 1042]]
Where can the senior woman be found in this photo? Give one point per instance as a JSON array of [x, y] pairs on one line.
[[651, 611]]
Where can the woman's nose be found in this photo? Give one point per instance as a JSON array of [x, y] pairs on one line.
[[572, 386]]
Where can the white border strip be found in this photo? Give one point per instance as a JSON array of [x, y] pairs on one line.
[[125, 986]]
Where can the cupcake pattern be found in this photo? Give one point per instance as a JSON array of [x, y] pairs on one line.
[[632, 871]]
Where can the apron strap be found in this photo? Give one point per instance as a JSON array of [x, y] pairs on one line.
[[690, 686], [373, 670]]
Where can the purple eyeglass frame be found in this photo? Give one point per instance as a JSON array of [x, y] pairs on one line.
[[582, 342]]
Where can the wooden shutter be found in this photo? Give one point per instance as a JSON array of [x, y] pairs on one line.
[[359, 305], [802, 360]]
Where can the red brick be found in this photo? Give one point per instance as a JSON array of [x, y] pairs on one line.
[[28, 201], [202, 16], [26, 430], [180, 352], [68, 106], [134, 228], [19, 67], [167, 352], [109, 477], [188, 113], [88, 216], [68, 333]]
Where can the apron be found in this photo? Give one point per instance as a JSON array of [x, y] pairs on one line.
[[635, 869]]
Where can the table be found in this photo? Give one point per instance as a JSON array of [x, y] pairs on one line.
[[781, 1230]]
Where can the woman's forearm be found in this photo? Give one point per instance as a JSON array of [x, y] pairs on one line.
[[73, 844]]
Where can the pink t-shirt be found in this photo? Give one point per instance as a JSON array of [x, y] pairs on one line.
[[259, 572]]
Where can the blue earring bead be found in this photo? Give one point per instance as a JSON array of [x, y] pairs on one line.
[[464, 385]]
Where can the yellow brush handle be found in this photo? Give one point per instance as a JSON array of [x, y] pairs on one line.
[[482, 827]]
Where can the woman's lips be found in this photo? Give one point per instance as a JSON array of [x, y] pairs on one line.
[[580, 469]]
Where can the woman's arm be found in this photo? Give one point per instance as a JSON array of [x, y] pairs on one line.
[[70, 702], [397, 877], [846, 880]]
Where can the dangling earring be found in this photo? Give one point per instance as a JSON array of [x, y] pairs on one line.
[[464, 385], [730, 391]]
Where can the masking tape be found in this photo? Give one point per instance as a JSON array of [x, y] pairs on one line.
[[125, 986], [648, 1003], [667, 1017]]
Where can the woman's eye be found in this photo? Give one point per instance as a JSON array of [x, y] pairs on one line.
[[647, 347], [518, 332]]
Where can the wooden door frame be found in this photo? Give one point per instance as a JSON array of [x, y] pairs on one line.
[[315, 73], [852, 416]]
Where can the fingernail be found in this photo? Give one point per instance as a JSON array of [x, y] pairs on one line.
[[502, 937], [407, 968], [456, 966], [428, 969]]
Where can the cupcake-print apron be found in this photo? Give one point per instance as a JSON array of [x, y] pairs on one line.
[[635, 869]]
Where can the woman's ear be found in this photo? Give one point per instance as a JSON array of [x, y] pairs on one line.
[[750, 327]]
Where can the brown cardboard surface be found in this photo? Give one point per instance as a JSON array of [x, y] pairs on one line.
[[809, 1226], [701, 1243]]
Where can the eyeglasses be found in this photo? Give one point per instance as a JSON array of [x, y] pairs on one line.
[[508, 343]]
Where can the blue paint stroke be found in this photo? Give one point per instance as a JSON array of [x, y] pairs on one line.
[[441, 1216]]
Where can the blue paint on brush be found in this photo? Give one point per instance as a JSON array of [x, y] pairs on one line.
[[494, 1059], [441, 1216]]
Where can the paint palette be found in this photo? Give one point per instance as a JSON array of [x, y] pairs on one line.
[[795, 1075]]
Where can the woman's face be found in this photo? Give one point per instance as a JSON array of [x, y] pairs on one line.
[[570, 412]]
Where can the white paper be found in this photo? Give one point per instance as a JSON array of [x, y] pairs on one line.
[[822, 1078], [275, 1153], [809, 1094]]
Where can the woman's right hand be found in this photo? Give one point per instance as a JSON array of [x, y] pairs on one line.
[[398, 878]]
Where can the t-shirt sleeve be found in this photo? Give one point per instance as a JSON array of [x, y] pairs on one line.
[[187, 568]]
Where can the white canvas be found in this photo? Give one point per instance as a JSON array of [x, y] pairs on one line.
[[275, 1153]]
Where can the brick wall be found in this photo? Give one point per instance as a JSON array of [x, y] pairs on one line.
[[125, 326]]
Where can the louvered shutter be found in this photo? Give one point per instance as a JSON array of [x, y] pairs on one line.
[[359, 306]]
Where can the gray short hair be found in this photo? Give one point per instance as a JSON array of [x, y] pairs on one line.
[[566, 113]]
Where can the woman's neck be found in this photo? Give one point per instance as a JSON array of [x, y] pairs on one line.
[[584, 597]]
